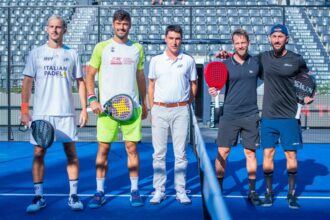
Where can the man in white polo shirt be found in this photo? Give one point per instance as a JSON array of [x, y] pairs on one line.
[[172, 86]]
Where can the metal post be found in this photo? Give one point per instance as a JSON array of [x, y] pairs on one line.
[[10, 137]]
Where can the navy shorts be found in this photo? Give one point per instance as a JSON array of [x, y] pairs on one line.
[[287, 132], [247, 127]]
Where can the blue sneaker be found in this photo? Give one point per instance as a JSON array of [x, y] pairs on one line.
[[38, 203], [136, 199], [97, 201]]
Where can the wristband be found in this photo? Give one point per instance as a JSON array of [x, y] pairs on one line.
[[91, 98], [25, 108]]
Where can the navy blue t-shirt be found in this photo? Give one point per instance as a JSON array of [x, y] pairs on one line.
[[241, 88], [278, 74]]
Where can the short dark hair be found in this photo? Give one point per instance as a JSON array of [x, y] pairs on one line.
[[121, 15], [240, 32], [176, 28]]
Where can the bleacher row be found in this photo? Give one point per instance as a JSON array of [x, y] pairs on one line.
[[201, 21]]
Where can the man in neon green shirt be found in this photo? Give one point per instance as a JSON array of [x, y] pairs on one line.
[[119, 63]]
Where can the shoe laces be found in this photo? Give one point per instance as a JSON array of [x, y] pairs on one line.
[[135, 194], [74, 198], [36, 199], [98, 196]]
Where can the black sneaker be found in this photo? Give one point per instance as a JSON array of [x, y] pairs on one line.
[[253, 197], [293, 202], [269, 199]]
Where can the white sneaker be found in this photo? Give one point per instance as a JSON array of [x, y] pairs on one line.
[[183, 198], [75, 203], [38, 203], [158, 197]]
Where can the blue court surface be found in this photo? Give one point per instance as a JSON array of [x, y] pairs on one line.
[[16, 188]]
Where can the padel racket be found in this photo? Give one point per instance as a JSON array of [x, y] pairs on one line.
[[305, 85], [216, 74], [120, 107], [43, 132]]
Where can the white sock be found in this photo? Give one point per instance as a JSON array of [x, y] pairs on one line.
[[134, 183], [100, 184], [73, 186], [38, 189]]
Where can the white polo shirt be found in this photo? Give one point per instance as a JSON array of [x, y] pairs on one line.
[[172, 77]]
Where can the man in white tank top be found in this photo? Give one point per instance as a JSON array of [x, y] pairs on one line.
[[53, 67]]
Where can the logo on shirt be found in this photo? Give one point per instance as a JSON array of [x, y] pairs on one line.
[[251, 71], [67, 59], [56, 71], [288, 64], [180, 66], [112, 49], [48, 58], [121, 61]]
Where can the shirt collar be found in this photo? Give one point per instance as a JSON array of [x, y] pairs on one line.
[[179, 57], [247, 59]]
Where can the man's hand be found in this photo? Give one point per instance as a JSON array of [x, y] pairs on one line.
[[25, 118], [96, 107], [308, 100], [83, 117], [144, 111], [222, 54], [213, 91]]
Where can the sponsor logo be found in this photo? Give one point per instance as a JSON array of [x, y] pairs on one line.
[[67, 59], [56, 71], [121, 61], [251, 71], [288, 64], [48, 58], [180, 66], [112, 49]]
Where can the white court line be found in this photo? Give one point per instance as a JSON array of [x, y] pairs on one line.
[[170, 195], [84, 195]]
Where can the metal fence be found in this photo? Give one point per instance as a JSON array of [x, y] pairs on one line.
[[316, 116]]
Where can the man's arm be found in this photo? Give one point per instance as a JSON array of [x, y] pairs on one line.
[[142, 91], [92, 101], [193, 90], [26, 93], [83, 101], [151, 92]]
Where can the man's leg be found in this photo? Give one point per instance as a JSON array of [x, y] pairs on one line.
[[292, 167], [38, 167], [102, 165], [268, 167], [179, 122], [101, 169], [251, 167], [133, 163], [159, 129], [73, 174], [221, 164]]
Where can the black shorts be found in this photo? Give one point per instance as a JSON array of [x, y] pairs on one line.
[[247, 127]]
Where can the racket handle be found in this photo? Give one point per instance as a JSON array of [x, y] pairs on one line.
[[216, 100], [298, 111]]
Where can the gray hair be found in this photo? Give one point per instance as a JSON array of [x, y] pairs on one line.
[[59, 18]]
